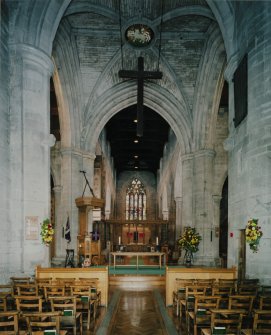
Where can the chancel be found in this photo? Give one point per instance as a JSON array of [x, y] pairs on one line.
[[135, 165]]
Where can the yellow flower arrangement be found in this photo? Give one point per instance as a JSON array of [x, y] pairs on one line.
[[47, 232], [189, 240], [253, 234]]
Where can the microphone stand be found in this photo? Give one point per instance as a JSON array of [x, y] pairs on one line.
[[87, 184]]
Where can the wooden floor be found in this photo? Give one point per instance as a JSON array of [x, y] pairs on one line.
[[137, 306]]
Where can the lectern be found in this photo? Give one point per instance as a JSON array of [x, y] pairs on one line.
[[85, 245]]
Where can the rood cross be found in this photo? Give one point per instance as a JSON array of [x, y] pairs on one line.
[[140, 75]]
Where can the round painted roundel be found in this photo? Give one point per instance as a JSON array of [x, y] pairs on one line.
[[139, 35]]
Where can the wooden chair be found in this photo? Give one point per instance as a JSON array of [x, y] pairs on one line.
[[261, 323], [20, 280], [265, 290], [188, 303], [228, 282], [201, 315], [6, 290], [53, 291], [228, 318], [27, 289], [224, 291], [6, 297], [40, 282], [70, 318], [265, 302], [251, 281], [9, 323], [28, 303], [179, 293], [3, 303], [241, 302], [205, 282], [67, 282], [37, 323], [96, 297], [248, 289], [17, 281], [84, 301]]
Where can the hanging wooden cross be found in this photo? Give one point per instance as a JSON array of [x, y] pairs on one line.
[[140, 75]]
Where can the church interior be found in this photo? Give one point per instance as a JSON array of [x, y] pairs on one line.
[[135, 167]]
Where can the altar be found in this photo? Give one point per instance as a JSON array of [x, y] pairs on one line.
[[121, 254]]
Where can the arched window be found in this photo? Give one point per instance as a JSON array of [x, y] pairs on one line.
[[136, 201]]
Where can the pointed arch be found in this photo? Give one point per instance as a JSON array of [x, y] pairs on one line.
[[136, 200]]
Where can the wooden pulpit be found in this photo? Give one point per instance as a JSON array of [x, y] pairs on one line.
[[85, 204], [86, 246]]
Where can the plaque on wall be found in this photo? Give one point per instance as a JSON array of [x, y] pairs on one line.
[[31, 227]]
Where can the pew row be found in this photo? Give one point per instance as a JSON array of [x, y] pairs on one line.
[[173, 273], [100, 273]]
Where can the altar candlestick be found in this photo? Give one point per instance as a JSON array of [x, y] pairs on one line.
[[119, 240], [157, 242]]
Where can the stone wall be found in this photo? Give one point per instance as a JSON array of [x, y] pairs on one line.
[[5, 235], [249, 152]]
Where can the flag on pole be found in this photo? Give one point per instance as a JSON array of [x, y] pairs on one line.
[[67, 230]]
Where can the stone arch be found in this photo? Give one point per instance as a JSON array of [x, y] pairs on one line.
[[36, 22], [209, 91], [68, 80], [178, 183], [224, 14], [121, 96]]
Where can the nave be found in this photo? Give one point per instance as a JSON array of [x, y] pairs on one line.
[[136, 305]]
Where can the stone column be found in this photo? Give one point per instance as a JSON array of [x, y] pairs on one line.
[[179, 202], [234, 169], [215, 225], [58, 226], [30, 143], [203, 205], [73, 183], [187, 190]]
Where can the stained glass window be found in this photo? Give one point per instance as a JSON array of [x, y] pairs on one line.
[[136, 201]]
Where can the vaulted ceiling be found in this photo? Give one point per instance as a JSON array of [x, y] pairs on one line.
[[98, 32]]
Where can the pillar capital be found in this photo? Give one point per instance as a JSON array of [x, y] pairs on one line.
[[57, 188], [187, 157], [231, 67], [205, 153], [216, 199], [77, 152], [178, 199], [33, 55]]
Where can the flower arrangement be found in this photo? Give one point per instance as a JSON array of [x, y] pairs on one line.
[[47, 232], [253, 234], [189, 240]]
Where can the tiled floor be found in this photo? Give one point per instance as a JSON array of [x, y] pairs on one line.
[[136, 311]]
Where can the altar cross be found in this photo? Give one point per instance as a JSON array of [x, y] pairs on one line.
[[140, 75]]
